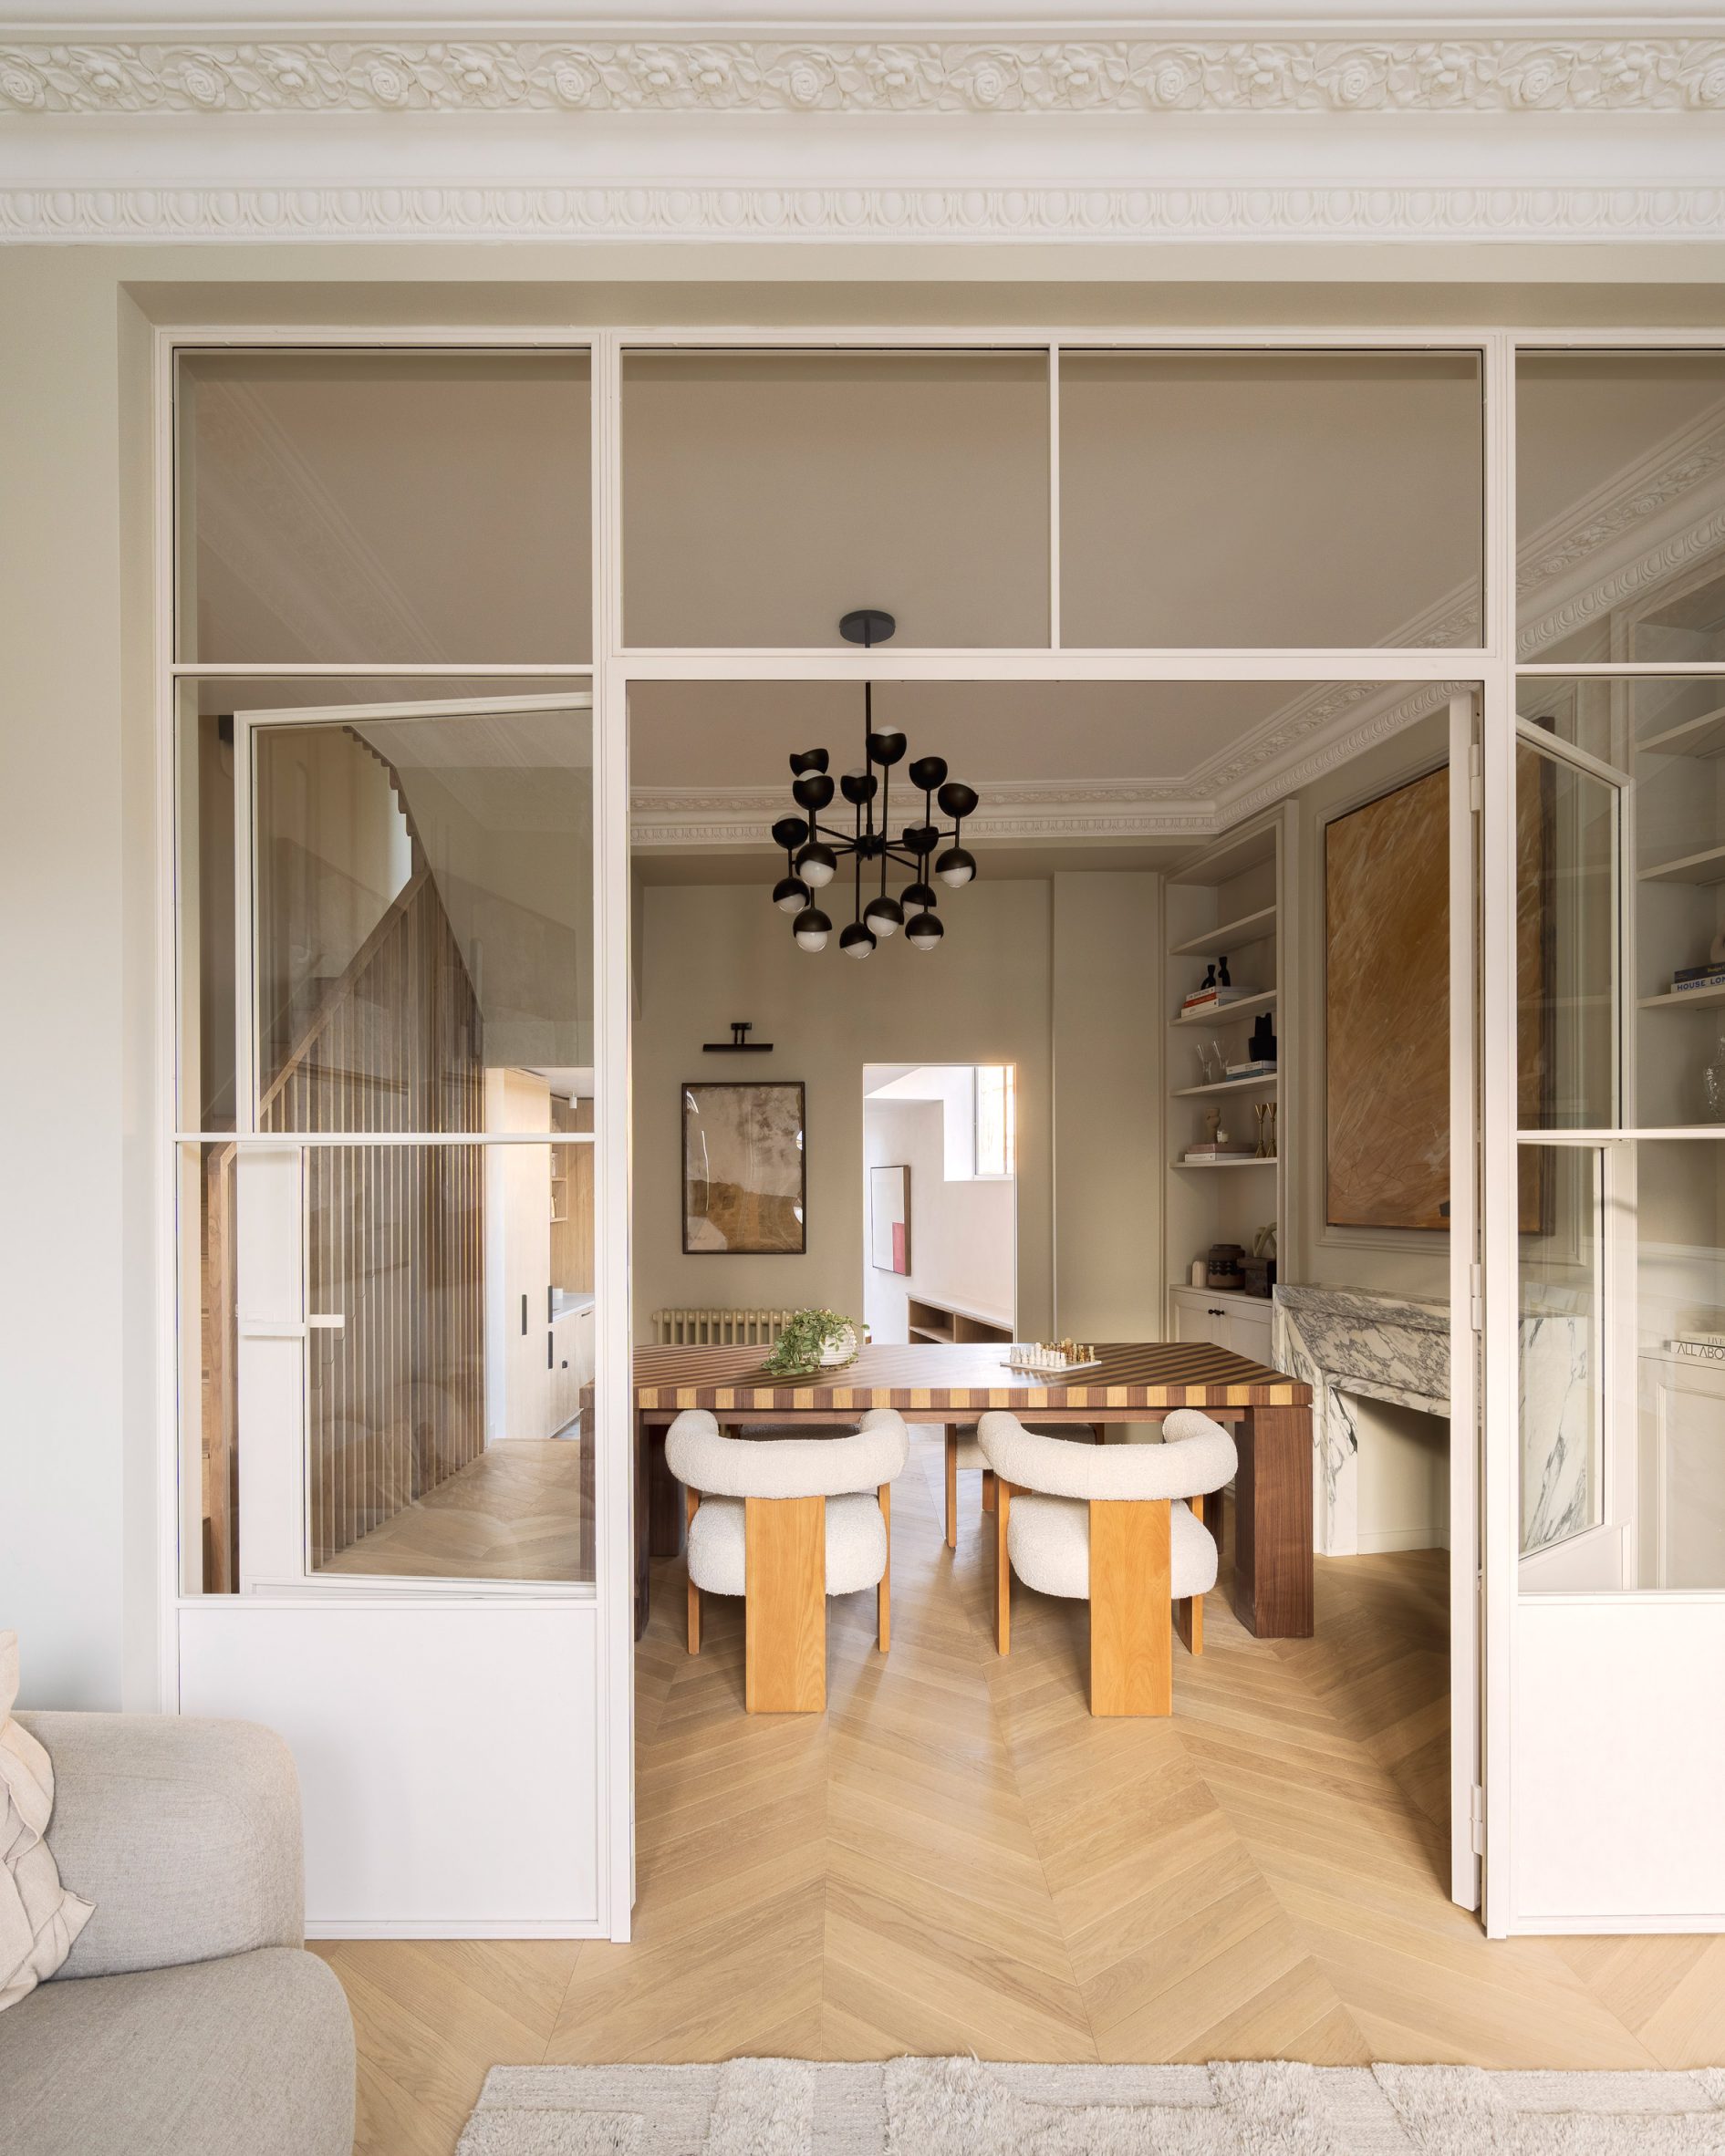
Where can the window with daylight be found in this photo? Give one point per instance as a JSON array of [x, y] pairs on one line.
[[995, 1119]]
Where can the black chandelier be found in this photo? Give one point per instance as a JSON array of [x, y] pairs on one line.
[[813, 851]]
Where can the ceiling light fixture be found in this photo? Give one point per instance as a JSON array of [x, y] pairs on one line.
[[812, 851]]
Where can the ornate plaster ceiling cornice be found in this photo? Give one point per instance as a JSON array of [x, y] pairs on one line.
[[433, 72]]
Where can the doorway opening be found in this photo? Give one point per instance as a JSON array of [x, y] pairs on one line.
[[940, 1154]]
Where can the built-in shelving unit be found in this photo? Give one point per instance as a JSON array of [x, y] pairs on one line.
[[1678, 893], [1228, 901], [947, 1324]]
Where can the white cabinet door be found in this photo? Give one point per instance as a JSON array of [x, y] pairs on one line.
[[1247, 1332]]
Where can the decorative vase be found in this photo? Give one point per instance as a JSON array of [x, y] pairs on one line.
[[843, 1349]]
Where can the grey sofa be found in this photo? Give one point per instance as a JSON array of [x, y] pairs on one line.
[[188, 2018]]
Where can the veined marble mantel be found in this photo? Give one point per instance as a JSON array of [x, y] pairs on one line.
[[1349, 1342]]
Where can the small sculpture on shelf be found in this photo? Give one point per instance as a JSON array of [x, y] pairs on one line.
[[1263, 1039], [1259, 1109]]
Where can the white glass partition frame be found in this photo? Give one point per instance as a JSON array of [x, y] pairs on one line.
[[615, 667], [1558, 1665], [611, 1597]]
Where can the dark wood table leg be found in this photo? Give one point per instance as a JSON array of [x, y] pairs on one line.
[[643, 1552], [664, 1500], [1272, 1523]]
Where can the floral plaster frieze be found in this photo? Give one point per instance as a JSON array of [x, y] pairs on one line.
[[491, 75]]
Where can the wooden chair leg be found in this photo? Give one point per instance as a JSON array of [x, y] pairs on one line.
[[883, 1593], [1188, 1611], [988, 1490], [1003, 1571], [691, 1500], [1131, 1641], [1098, 1433], [784, 1605], [952, 1485]]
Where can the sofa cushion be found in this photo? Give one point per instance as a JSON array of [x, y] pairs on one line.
[[250, 2055], [38, 1918], [856, 1544], [184, 1832], [1048, 1542]]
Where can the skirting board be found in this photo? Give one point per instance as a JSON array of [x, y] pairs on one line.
[[425, 1927], [1373, 1543]]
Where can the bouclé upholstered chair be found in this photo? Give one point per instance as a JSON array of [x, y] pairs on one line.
[[1119, 1526], [785, 1525]]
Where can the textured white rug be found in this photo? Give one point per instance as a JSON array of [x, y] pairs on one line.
[[958, 2106]]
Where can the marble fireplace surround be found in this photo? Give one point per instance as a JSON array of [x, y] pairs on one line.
[[1349, 1343]]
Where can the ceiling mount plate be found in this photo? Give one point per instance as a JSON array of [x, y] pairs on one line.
[[868, 626]]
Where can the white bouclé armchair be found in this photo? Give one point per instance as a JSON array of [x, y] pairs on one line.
[[785, 1525], [1119, 1526]]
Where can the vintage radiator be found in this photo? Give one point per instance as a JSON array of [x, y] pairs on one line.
[[718, 1328]]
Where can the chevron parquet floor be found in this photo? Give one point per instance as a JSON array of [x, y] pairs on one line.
[[956, 1856]]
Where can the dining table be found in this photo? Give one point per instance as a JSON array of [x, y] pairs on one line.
[[1269, 1413]]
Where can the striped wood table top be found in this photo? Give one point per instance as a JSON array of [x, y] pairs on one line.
[[962, 1380]]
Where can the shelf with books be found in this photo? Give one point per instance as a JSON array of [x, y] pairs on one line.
[[1218, 1014], [1686, 998], [1240, 1160]]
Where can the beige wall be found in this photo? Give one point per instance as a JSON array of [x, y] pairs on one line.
[[714, 952], [1109, 1038]]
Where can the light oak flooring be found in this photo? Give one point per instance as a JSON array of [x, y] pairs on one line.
[[956, 1856], [515, 1513]]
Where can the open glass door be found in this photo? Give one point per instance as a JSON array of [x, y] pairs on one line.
[[1607, 1238], [397, 1254], [1466, 1305]]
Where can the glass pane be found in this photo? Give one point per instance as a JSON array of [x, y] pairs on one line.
[[449, 1419], [445, 1370], [1620, 552], [1241, 498], [1679, 1478], [1561, 1285], [767, 495], [386, 506], [424, 910], [1567, 945]]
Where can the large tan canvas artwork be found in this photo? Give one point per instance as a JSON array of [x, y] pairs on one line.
[[1386, 1005], [743, 1182], [1387, 1008]]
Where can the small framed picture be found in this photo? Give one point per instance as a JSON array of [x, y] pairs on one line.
[[745, 1182]]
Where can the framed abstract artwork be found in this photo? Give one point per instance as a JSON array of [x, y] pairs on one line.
[[889, 1219], [1386, 1005], [745, 1181]]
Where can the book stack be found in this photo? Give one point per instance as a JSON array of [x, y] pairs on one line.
[[1688, 979], [1698, 1347], [1209, 999], [1228, 1149], [1256, 1068]]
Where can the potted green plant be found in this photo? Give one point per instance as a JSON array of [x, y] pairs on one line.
[[813, 1340]]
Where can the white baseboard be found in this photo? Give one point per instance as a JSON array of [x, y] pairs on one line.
[[551, 1927]]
